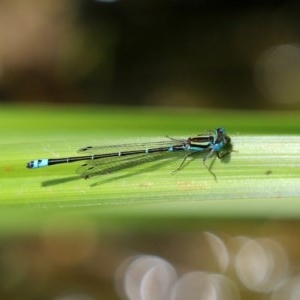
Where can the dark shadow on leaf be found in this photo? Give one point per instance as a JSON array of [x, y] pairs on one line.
[[60, 180], [226, 159]]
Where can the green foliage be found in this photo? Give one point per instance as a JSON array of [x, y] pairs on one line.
[[261, 178]]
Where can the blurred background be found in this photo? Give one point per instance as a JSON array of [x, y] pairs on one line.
[[236, 259], [192, 53]]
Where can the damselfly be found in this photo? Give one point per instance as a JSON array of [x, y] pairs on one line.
[[106, 159]]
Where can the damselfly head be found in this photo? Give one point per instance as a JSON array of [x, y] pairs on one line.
[[220, 131]]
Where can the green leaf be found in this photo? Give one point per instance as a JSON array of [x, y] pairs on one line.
[[259, 179]]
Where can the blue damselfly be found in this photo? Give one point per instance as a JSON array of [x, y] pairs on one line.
[[106, 159]]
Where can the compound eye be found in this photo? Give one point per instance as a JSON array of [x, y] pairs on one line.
[[220, 131]]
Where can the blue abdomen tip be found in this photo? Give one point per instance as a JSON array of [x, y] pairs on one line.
[[38, 163]]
